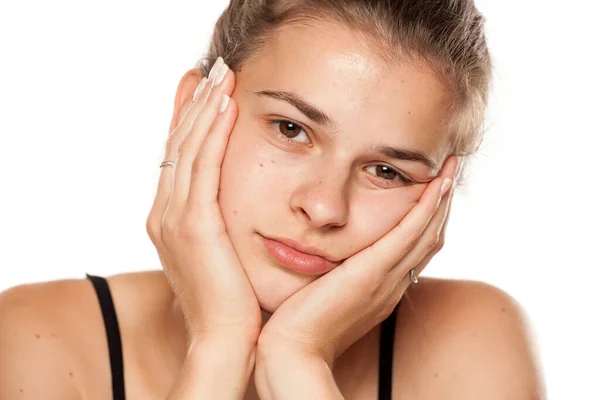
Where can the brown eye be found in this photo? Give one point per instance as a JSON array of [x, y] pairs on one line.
[[290, 132], [384, 172], [388, 176], [289, 129]]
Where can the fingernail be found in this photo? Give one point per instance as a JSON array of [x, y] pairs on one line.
[[221, 74], [445, 186], [199, 88], [224, 103], [214, 71], [459, 166]]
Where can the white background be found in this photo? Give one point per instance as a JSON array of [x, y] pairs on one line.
[[86, 95]]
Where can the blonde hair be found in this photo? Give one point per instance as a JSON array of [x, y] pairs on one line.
[[445, 35]]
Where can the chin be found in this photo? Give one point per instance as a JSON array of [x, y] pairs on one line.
[[273, 284]]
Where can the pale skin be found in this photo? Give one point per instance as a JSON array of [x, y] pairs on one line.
[[252, 328]]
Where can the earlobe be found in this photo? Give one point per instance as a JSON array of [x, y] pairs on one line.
[[185, 92]]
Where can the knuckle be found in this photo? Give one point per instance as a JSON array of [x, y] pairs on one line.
[[431, 242], [153, 228], [440, 243]]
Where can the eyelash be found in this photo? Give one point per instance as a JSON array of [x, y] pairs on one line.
[[286, 139]]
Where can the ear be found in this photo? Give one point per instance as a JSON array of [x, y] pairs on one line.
[[185, 92]]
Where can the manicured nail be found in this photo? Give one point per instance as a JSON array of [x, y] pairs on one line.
[[221, 74], [214, 71], [199, 88], [445, 186], [224, 103], [459, 166]]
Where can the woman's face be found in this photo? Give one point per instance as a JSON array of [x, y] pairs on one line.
[[324, 184]]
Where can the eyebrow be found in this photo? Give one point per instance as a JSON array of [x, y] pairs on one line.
[[406, 154], [311, 112], [321, 118]]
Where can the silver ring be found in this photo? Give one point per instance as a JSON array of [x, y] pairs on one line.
[[165, 163], [413, 276]]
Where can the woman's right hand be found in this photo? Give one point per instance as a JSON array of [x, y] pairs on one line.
[[187, 228]]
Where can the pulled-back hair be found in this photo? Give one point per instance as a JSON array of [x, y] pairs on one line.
[[445, 35]]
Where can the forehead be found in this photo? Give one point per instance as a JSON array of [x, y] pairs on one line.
[[331, 67]]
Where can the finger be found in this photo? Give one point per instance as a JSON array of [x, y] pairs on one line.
[[206, 170], [432, 239], [459, 169], [167, 173], [429, 241], [401, 239], [198, 130]]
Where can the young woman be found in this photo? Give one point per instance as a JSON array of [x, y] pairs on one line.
[[306, 183]]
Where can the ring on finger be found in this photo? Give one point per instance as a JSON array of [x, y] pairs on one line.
[[167, 163], [413, 276]]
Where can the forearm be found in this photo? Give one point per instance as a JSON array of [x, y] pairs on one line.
[[283, 374], [215, 369]]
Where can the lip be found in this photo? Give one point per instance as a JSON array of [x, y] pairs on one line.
[[300, 258]]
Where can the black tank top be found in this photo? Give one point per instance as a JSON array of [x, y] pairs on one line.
[[115, 350]]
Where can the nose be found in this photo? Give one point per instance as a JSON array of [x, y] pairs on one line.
[[322, 200]]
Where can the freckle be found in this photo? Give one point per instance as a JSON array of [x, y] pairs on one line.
[[37, 336], [21, 390], [436, 375], [260, 164], [235, 212], [52, 335], [70, 374], [273, 161], [503, 309], [409, 113]]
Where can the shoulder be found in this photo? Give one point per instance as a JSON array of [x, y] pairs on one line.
[[52, 336], [463, 340], [37, 359]]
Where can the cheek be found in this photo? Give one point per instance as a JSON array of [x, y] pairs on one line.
[[375, 217], [249, 180]]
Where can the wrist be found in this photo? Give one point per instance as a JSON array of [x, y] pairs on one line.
[[288, 373]]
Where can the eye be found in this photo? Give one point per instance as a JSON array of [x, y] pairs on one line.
[[389, 175], [286, 130]]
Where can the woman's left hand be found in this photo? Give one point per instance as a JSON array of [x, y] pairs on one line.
[[327, 316]]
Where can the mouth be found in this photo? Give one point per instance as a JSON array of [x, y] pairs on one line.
[[304, 259]]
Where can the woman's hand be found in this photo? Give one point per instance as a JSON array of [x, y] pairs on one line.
[[187, 228], [323, 319]]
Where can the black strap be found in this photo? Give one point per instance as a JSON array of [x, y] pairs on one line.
[[386, 355], [113, 335]]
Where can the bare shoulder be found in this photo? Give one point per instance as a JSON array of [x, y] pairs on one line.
[[53, 340], [463, 340], [39, 326]]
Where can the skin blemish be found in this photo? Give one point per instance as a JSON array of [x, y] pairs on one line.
[[260, 164], [37, 336], [70, 374], [273, 161], [436, 375], [235, 212], [503, 309], [21, 390]]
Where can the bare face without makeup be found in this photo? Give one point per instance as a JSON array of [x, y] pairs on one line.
[[331, 149]]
